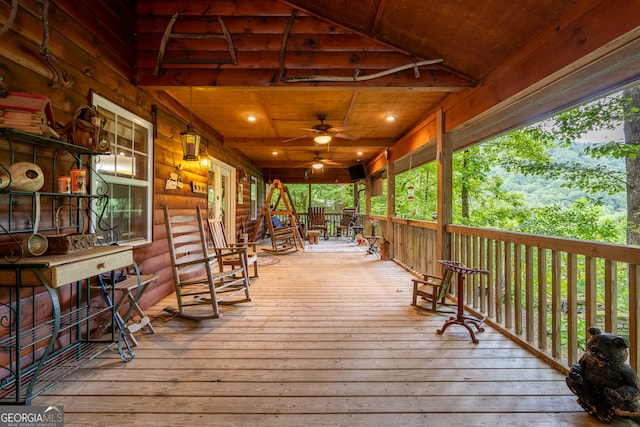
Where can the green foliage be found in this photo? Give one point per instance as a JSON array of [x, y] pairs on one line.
[[604, 114], [425, 201], [583, 220], [333, 197]]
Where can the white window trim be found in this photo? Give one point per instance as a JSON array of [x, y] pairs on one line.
[[98, 100]]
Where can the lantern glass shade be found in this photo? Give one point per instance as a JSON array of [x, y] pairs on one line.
[[190, 144], [322, 139]]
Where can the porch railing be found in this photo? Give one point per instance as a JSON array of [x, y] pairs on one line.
[[544, 292], [332, 220]]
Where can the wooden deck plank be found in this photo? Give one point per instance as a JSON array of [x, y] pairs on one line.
[[293, 389], [329, 339]]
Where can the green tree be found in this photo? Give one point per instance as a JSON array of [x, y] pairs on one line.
[[580, 220], [632, 141]]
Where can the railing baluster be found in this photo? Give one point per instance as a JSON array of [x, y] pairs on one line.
[[609, 301], [472, 284], [488, 280], [517, 287], [529, 306], [591, 292], [508, 285], [572, 308], [634, 304], [542, 298], [498, 280], [480, 281], [556, 304]]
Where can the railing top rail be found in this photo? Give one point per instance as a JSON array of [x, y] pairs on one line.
[[612, 251]]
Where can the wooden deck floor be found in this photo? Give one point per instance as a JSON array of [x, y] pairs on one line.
[[330, 339]]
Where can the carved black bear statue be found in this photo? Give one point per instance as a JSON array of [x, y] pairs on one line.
[[606, 385]]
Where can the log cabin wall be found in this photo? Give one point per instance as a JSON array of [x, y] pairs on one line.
[[92, 46]]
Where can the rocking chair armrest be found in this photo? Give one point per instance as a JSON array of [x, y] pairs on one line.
[[243, 244], [435, 286], [212, 257], [427, 282], [226, 252]]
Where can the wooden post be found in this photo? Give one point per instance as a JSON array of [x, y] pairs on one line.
[[444, 157], [391, 210]]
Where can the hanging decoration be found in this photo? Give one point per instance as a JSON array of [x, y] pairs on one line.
[[410, 186], [410, 192]]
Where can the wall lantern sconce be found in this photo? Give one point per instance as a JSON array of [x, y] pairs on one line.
[[190, 138], [190, 144]]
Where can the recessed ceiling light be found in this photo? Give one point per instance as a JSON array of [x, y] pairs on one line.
[[391, 117], [275, 153], [359, 153], [251, 117]]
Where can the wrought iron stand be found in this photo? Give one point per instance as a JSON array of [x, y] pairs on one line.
[[460, 318]]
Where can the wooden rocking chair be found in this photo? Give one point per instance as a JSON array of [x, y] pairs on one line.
[[220, 244], [283, 236], [198, 275], [316, 220], [348, 220], [432, 288]]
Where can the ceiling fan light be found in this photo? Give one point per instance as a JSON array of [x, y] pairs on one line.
[[322, 139], [317, 165], [391, 117]]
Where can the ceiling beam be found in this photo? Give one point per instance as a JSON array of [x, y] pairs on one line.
[[292, 164], [436, 80], [244, 143]]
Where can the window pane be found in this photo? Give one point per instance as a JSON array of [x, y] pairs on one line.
[[139, 138], [123, 216]]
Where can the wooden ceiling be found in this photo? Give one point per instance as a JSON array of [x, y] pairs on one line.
[[354, 61]]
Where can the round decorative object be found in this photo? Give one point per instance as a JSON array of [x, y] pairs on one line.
[[5, 178], [25, 176]]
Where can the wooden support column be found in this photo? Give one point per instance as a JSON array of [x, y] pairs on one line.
[[367, 199], [391, 209], [444, 157]]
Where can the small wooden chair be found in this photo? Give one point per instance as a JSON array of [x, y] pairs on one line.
[[317, 221], [219, 240], [348, 220], [199, 276], [432, 288]]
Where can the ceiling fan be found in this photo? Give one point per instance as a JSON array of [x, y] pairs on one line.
[[318, 162], [322, 133]]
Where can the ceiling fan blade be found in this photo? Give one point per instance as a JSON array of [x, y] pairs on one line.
[[305, 165], [297, 137], [346, 136], [341, 129]]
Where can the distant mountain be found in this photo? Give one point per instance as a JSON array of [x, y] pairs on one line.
[[540, 191]]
